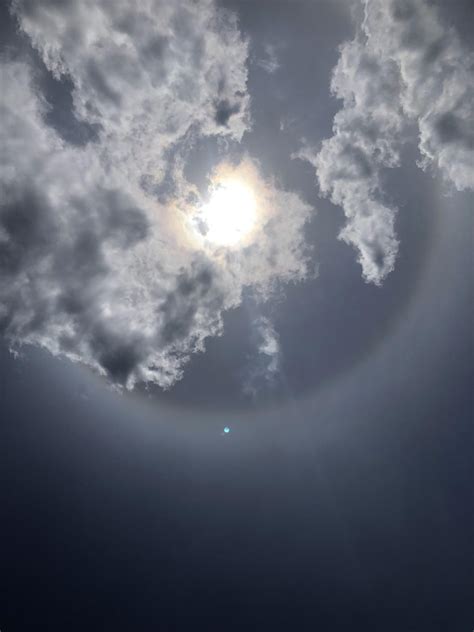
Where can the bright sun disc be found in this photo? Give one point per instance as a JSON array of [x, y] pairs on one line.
[[230, 213]]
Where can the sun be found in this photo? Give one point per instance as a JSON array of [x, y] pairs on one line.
[[230, 213]]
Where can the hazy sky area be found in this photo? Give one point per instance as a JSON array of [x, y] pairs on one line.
[[212, 425]]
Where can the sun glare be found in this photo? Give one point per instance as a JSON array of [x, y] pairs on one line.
[[230, 214]]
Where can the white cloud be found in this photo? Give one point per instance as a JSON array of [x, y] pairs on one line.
[[94, 265], [269, 62], [437, 75], [263, 369], [147, 72], [403, 67]]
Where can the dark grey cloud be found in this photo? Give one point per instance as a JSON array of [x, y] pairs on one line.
[[224, 111]]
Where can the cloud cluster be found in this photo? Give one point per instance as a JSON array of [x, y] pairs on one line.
[[145, 73], [403, 68], [95, 265]]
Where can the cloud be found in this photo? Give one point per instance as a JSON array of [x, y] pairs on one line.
[[269, 63], [98, 261], [147, 73], [402, 68], [275, 251], [264, 368], [437, 74]]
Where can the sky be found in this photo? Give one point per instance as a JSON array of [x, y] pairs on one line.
[[236, 305]]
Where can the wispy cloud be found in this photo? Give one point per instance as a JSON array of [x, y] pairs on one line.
[[263, 369], [269, 62]]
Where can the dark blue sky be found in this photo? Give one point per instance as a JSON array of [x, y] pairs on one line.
[[341, 498]]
